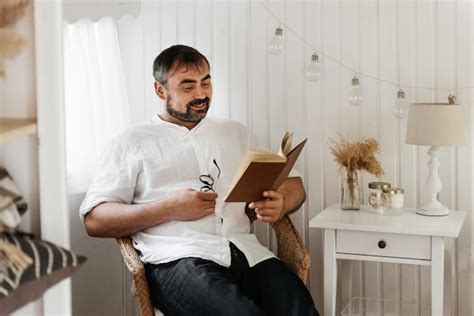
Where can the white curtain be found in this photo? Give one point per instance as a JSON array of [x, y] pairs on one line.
[[96, 100]]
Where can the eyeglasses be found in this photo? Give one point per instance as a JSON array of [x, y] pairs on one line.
[[208, 180]]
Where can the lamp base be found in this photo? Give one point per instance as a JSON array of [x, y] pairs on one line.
[[432, 208]]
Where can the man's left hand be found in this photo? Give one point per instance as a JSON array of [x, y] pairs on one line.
[[271, 209]]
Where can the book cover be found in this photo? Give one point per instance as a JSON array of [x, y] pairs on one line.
[[260, 171]]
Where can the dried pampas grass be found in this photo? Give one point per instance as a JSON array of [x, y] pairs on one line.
[[11, 11], [358, 155], [11, 44], [12, 259]]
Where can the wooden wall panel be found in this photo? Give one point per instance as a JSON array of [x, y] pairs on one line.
[[463, 60], [314, 164], [259, 106], [414, 44]]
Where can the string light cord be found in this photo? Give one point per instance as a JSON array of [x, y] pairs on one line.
[[348, 67]]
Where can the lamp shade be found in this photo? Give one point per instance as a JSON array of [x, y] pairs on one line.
[[435, 124]]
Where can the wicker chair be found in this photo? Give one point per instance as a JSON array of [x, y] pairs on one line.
[[290, 250]]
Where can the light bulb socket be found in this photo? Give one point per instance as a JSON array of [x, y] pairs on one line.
[[355, 82], [315, 57], [401, 94], [279, 31]]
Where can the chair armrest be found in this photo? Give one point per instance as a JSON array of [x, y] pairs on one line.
[[136, 267], [291, 249], [130, 255]]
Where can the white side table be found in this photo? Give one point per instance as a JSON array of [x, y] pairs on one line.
[[406, 238]]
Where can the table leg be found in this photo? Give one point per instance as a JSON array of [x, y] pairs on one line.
[[330, 272], [437, 275]]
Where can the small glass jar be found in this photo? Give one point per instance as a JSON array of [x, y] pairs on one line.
[[376, 196], [394, 197]]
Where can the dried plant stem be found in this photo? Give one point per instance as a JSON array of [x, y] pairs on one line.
[[352, 184], [350, 195]]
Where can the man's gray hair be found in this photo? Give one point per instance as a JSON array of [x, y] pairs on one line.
[[173, 57]]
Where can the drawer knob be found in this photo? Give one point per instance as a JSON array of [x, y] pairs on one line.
[[382, 244]]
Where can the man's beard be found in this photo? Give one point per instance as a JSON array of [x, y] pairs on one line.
[[191, 115]]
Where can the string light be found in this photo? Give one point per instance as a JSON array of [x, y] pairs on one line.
[[346, 66], [355, 96], [313, 69], [276, 44]]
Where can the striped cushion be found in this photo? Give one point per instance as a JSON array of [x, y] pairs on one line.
[[12, 204], [49, 265]]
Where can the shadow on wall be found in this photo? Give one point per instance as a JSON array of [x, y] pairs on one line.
[[98, 288]]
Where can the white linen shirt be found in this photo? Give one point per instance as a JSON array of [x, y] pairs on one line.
[[153, 160]]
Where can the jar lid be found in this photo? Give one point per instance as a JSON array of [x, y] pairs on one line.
[[379, 185], [394, 190]]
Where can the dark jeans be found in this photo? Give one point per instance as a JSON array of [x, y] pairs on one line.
[[194, 286]]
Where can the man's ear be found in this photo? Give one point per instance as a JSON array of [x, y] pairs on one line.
[[160, 90]]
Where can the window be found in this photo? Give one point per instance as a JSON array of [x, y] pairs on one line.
[[96, 100]]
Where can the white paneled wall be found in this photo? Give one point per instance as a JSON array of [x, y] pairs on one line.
[[413, 43]]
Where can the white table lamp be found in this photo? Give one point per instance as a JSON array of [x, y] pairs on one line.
[[435, 125]]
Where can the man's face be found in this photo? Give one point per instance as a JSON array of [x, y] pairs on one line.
[[188, 94]]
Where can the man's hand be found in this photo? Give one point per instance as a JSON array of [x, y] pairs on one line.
[[271, 209], [189, 205]]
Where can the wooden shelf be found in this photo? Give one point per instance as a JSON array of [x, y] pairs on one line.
[[11, 128]]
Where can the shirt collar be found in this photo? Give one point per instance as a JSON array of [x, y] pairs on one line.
[[158, 120]]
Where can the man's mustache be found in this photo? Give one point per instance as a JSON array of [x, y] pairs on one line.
[[199, 101]]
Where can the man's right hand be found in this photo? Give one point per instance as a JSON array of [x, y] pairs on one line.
[[190, 204]]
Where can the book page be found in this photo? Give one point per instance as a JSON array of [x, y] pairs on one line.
[[263, 156], [285, 146]]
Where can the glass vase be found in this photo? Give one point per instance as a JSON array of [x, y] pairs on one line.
[[350, 190]]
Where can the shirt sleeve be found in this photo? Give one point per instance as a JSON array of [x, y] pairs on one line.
[[114, 178]]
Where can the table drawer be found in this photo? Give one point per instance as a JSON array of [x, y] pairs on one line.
[[383, 244]]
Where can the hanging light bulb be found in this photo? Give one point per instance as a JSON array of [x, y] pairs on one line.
[[276, 44], [400, 109], [355, 96], [313, 69]]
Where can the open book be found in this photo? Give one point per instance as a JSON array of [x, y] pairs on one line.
[[261, 170]]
